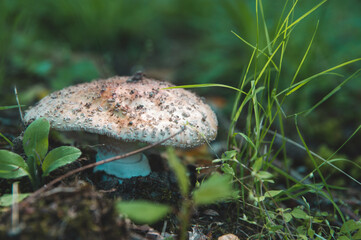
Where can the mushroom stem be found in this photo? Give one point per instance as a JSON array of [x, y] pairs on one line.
[[133, 166]]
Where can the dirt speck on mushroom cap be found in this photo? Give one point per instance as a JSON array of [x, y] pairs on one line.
[[131, 111]]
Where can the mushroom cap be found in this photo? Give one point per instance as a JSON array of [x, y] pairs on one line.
[[130, 111]]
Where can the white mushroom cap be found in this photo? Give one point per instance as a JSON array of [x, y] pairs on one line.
[[129, 111]]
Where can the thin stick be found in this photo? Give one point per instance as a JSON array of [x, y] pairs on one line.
[[15, 209], [50, 184], [18, 102]]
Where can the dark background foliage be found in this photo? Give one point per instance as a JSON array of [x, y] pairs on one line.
[[47, 45]]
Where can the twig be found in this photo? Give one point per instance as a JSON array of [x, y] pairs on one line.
[[15, 209]]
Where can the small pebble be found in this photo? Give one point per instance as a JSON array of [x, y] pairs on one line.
[[228, 236]]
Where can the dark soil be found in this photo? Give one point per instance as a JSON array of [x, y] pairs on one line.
[[82, 207]]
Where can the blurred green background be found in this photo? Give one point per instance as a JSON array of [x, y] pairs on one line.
[[47, 45]]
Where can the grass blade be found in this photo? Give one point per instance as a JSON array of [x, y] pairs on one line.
[[6, 139], [307, 80], [206, 85], [10, 107], [255, 48], [330, 94]]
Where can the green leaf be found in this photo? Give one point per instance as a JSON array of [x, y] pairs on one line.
[[287, 217], [226, 156], [343, 238], [143, 212], [264, 175], [272, 193], [257, 164], [180, 171], [6, 200], [33, 170], [226, 168], [35, 141], [275, 228], [357, 235], [59, 157], [299, 214], [350, 226], [259, 199], [301, 230], [216, 188], [311, 233], [12, 165], [229, 155]]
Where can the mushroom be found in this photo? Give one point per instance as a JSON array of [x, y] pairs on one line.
[[124, 111]]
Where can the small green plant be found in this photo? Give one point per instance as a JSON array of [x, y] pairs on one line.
[[39, 162], [8, 199], [212, 190], [143, 212]]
